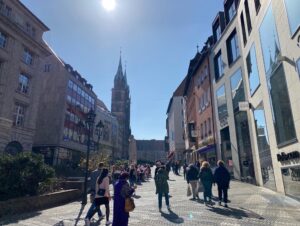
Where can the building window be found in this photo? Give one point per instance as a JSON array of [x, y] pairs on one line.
[[298, 66], [205, 129], [3, 40], [217, 31], [19, 115], [292, 8], [248, 19], [221, 102], [269, 42], [281, 107], [237, 89], [219, 70], [202, 131], [230, 10], [23, 84], [253, 75], [47, 68], [264, 148], [232, 47], [257, 5], [7, 11], [27, 57], [243, 28]]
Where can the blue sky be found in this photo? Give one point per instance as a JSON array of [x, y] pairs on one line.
[[158, 38]]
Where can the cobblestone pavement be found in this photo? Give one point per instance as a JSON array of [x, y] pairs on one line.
[[249, 205]]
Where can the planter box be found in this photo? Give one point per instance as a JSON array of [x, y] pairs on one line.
[[33, 203]]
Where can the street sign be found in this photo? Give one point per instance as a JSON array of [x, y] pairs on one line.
[[244, 106]]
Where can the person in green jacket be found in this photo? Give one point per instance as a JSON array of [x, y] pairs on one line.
[[207, 179], [162, 186]]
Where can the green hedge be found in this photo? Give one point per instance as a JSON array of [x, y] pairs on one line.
[[22, 175]]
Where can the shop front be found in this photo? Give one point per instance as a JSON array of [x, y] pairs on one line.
[[290, 173], [208, 153]]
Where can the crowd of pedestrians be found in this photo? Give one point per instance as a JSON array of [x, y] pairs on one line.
[[100, 193], [199, 176]]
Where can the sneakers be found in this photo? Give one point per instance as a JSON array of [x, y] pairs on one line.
[[169, 208], [108, 223], [87, 222], [226, 205], [220, 203]]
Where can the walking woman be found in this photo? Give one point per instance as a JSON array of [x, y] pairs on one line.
[[222, 178], [132, 176], [122, 190], [102, 196], [207, 179], [162, 187]]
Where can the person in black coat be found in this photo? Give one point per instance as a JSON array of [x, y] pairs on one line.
[[222, 178], [192, 179]]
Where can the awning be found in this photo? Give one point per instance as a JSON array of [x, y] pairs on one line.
[[207, 148]]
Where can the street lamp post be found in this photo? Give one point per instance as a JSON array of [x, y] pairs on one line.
[[90, 120]]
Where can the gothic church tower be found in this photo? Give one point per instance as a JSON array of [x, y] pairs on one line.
[[120, 108]]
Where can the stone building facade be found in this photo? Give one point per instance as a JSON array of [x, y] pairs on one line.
[[151, 151], [108, 139], [22, 53], [120, 108], [69, 97], [175, 123], [200, 123]]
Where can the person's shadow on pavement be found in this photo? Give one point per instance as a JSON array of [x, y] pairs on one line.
[[238, 213], [172, 217]]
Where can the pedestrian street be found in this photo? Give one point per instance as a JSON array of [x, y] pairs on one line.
[[249, 205]]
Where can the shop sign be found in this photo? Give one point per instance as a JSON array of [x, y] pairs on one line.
[[288, 156], [243, 106]]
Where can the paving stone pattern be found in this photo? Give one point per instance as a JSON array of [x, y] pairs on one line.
[[249, 205]]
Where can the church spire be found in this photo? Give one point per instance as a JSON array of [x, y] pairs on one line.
[[119, 74]]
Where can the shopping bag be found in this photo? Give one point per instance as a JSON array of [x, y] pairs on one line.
[[200, 187], [189, 192], [129, 205]]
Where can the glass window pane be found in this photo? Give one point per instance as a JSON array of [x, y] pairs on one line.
[[253, 75], [298, 66], [269, 41], [222, 104], [281, 107], [237, 88], [292, 7]]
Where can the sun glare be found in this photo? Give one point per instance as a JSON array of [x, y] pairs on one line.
[[109, 5]]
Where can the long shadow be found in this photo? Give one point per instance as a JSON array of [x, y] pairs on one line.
[[237, 213], [172, 217], [79, 215], [16, 218]]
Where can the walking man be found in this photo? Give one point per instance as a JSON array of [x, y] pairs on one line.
[[222, 178], [192, 178]]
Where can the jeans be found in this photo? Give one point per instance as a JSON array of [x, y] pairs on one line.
[[93, 209], [207, 190], [223, 191], [131, 182], [160, 195]]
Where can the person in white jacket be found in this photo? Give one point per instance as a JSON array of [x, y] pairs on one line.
[[102, 196]]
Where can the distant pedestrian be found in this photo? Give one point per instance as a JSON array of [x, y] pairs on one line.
[[132, 176], [184, 170], [92, 184], [207, 180], [192, 179], [122, 190], [162, 187], [222, 178], [102, 196]]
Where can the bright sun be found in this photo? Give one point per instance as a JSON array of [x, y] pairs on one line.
[[109, 5]]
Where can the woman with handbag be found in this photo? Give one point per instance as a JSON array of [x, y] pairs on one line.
[[122, 196], [102, 196]]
